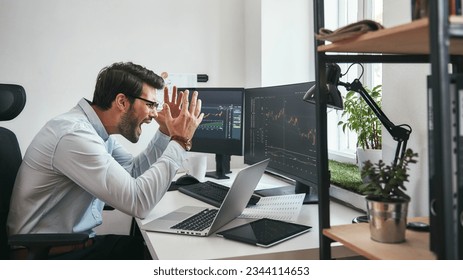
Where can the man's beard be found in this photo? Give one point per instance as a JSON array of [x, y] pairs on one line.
[[128, 127]]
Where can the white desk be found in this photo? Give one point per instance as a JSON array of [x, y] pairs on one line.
[[172, 246]]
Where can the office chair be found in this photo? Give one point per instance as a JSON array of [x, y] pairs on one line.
[[12, 102]]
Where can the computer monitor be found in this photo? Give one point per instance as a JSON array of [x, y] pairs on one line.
[[281, 126], [221, 131]]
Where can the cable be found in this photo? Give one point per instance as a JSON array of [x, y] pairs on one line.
[[348, 68]]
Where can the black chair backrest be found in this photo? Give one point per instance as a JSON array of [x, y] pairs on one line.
[[12, 101]]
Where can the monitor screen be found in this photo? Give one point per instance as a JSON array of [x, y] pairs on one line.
[[281, 126], [221, 131]]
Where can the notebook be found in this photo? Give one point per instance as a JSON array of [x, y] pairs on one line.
[[232, 206]]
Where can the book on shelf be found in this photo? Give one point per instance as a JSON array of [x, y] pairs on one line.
[[348, 31], [420, 8], [455, 7]]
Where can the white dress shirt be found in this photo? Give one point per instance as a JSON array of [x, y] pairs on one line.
[[73, 167]]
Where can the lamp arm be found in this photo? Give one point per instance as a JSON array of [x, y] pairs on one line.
[[357, 86], [398, 133]]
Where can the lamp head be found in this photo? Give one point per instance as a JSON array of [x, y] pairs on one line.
[[334, 99]]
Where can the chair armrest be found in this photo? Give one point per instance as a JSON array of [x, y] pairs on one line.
[[39, 244], [50, 239]]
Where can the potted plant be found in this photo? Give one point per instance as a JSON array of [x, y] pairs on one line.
[[387, 202], [359, 118]]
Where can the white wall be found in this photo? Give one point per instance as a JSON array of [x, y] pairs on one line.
[[287, 42], [405, 101], [253, 43], [279, 42]]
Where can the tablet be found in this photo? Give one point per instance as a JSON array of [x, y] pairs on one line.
[[264, 232]]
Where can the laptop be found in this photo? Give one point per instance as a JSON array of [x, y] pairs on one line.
[[232, 206]]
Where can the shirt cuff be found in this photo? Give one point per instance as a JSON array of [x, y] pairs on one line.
[[162, 140], [176, 153]]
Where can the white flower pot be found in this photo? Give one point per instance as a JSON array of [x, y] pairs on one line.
[[372, 155]]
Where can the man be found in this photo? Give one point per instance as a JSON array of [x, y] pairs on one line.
[[73, 167]]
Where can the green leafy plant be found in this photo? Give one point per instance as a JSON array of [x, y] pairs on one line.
[[386, 182], [360, 119]]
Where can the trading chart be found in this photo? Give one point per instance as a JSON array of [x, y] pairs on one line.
[[282, 128]]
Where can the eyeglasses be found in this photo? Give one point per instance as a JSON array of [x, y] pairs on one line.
[[152, 105]]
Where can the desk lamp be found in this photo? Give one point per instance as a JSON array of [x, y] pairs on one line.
[[399, 133], [333, 72]]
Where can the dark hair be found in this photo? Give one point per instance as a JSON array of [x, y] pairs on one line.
[[122, 77]]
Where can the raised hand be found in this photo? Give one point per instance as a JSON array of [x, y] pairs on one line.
[[189, 116], [174, 106]]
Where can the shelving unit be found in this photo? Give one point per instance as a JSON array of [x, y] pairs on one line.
[[438, 41]]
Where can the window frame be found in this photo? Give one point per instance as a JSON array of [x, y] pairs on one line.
[[342, 146]]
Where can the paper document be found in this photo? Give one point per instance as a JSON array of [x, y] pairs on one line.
[[281, 207]]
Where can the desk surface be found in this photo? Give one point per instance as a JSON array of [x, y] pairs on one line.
[[172, 246]]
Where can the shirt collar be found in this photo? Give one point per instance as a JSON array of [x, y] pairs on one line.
[[93, 118]]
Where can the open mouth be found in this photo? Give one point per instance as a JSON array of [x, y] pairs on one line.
[[142, 123]]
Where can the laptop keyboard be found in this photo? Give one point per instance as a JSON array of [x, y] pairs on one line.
[[211, 193], [198, 222]]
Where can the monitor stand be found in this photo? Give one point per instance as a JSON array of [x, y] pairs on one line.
[[311, 195], [222, 167]]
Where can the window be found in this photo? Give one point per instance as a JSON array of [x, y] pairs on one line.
[[342, 146]]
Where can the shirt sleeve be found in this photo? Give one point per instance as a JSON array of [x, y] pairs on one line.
[[139, 164], [82, 156]]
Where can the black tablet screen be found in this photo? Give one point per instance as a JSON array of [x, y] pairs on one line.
[[264, 232]]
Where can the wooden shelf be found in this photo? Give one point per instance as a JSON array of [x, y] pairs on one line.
[[410, 38], [357, 238]]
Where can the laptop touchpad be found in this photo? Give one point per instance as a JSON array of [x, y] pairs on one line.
[[176, 216]]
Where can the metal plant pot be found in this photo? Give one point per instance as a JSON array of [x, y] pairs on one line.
[[388, 220]]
